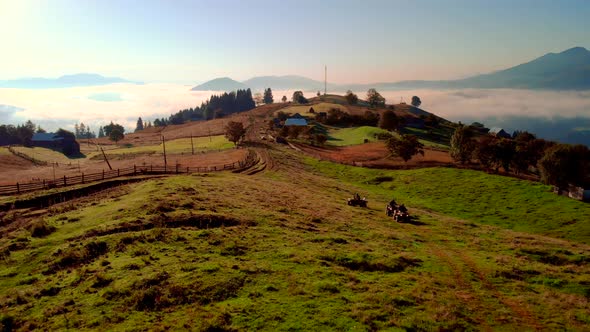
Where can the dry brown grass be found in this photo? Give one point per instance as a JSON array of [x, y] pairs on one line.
[[376, 155]]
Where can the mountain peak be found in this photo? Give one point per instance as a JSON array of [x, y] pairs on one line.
[[575, 50], [220, 84]]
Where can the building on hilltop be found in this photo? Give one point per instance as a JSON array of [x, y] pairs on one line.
[[296, 122], [47, 140], [499, 132], [65, 143]]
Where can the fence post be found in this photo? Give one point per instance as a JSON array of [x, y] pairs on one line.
[[151, 168], [134, 170], [17, 188], [82, 177], [118, 172], [65, 181]]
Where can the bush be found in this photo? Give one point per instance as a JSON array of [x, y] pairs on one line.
[[41, 229]]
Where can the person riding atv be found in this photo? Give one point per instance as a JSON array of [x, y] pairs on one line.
[[401, 214], [391, 208], [356, 200]]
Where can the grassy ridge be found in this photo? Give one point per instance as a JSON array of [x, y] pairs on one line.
[[277, 251]]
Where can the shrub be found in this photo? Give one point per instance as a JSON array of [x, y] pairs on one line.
[[41, 229]]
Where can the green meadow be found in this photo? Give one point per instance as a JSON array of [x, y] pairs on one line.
[[281, 250]]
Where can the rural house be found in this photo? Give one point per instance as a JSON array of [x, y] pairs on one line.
[[47, 140], [499, 132], [66, 144], [296, 122]]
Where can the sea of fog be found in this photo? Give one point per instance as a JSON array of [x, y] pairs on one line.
[[550, 114]]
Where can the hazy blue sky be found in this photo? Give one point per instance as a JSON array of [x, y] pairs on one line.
[[360, 41]]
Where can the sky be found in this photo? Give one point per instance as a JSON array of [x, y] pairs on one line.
[[190, 42]]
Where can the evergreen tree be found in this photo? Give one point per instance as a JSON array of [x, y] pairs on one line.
[[268, 99], [139, 125], [100, 132]]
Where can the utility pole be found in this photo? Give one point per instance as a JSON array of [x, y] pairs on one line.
[[164, 145], [192, 146], [105, 158]]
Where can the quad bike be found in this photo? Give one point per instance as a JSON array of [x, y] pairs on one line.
[[399, 213], [400, 216], [362, 202]]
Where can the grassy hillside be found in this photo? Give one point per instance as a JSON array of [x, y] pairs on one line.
[[279, 251], [352, 136], [476, 196], [44, 154], [177, 146]]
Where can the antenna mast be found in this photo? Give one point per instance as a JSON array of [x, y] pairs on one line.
[[325, 80]]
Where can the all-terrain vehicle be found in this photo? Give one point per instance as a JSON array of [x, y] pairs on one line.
[[400, 216], [398, 212], [356, 200]]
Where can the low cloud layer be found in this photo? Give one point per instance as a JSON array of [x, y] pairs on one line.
[[557, 115], [121, 103], [549, 113]]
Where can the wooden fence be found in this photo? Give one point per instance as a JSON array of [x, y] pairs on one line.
[[104, 175], [27, 157]]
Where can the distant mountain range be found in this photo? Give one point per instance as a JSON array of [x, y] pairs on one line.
[[568, 70], [67, 81]]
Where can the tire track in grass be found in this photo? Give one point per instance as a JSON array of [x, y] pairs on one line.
[[521, 310], [517, 307], [465, 292]]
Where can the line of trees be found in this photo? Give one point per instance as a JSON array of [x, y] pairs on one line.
[[557, 164], [217, 106], [83, 131], [20, 134], [336, 116]]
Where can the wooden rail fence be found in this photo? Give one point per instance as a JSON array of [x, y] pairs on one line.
[[104, 175]]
